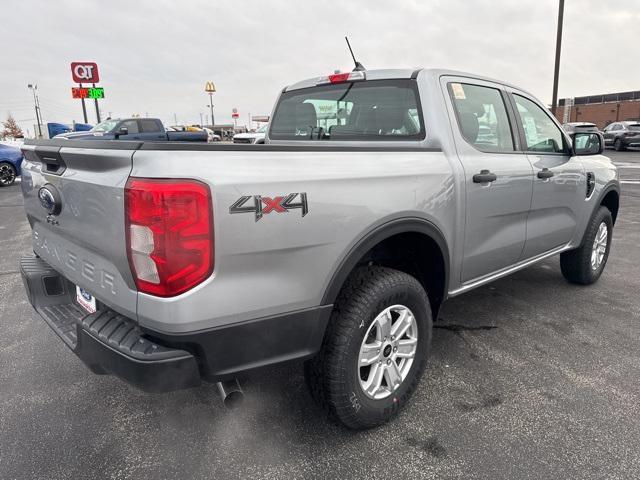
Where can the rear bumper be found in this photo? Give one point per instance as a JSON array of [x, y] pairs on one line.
[[107, 342], [110, 343], [629, 141]]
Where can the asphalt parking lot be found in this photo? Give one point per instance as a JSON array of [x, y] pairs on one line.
[[530, 377]]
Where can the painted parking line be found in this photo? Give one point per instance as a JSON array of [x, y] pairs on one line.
[[627, 165]]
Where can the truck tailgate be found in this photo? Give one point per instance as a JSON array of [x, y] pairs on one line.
[[85, 241]]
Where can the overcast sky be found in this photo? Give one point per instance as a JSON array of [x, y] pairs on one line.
[[155, 56]]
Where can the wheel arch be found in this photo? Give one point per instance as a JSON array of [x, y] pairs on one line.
[[610, 198], [409, 232]]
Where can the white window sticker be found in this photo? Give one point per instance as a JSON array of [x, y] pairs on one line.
[[458, 91]]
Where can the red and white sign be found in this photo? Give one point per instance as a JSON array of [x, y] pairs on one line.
[[234, 113], [85, 72]]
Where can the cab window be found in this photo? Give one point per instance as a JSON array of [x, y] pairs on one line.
[[540, 133], [482, 117], [150, 126], [371, 110], [130, 125]]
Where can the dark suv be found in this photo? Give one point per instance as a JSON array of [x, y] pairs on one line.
[[621, 135]]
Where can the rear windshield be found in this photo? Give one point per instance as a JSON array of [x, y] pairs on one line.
[[367, 110]]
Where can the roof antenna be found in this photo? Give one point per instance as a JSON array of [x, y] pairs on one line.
[[359, 67]]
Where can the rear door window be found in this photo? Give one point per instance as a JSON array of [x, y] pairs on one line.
[[482, 117], [368, 110], [150, 126]]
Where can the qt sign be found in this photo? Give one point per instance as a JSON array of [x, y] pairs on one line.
[[85, 72]]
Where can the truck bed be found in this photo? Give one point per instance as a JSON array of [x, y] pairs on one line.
[[270, 257]]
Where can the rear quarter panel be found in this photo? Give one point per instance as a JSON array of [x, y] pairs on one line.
[[284, 261]]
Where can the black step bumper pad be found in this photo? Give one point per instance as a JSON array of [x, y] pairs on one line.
[[107, 342]]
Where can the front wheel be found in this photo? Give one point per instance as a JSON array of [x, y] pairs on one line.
[[585, 264], [618, 146], [375, 348], [7, 174]]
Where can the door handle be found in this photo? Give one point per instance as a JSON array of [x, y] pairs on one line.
[[484, 176], [545, 173]]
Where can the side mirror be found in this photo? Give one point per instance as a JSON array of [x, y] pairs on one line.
[[587, 143], [122, 131]]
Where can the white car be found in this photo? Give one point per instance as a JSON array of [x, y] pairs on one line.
[[252, 137], [212, 137]]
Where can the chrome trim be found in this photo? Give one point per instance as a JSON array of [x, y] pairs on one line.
[[508, 271]]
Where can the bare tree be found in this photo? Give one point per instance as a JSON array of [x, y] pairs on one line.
[[11, 128]]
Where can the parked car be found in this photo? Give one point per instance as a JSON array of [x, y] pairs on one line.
[[211, 136], [10, 164], [621, 135], [573, 127], [336, 242], [149, 129], [252, 137]]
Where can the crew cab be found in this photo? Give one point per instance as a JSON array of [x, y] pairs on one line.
[[376, 197], [145, 129]]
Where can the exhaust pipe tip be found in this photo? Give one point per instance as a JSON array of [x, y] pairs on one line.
[[231, 393]]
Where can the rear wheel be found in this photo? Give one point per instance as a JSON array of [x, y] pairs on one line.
[[375, 348], [7, 174], [585, 264], [618, 146]]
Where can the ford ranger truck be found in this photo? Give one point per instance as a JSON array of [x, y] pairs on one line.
[[377, 195]]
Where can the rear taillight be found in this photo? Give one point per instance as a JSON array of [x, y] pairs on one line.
[[169, 229]]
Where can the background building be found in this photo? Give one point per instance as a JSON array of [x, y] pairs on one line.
[[600, 109]]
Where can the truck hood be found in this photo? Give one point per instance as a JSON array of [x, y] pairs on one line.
[[84, 135], [249, 135]]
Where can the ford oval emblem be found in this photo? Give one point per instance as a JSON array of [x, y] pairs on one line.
[[50, 199]]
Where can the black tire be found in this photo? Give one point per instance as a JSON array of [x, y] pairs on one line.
[[333, 376], [618, 146], [7, 174], [576, 265]]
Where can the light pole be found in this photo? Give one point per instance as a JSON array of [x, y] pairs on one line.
[[556, 71], [36, 104]]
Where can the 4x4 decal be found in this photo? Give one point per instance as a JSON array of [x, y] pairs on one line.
[[264, 205]]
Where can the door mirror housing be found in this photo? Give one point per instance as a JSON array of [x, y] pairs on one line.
[[121, 131], [587, 143]]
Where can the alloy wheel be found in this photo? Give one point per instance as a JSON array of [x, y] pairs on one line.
[[599, 246], [7, 174], [387, 352]]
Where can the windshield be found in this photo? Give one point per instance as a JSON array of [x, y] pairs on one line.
[[105, 126], [263, 128], [368, 110]]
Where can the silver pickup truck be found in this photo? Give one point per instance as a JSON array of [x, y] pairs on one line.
[[378, 195]]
